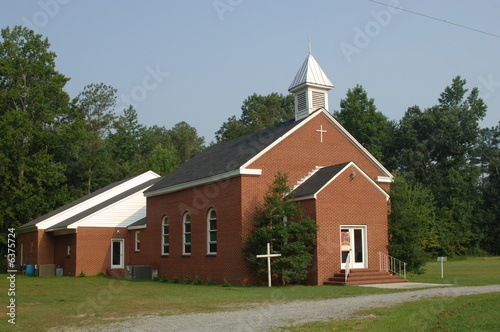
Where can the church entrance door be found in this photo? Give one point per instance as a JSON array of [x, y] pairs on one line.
[[353, 240]]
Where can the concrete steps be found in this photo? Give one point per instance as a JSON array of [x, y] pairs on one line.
[[363, 277]]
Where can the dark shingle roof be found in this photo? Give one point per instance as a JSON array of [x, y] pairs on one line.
[[225, 156], [104, 204], [140, 222], [318, 180]]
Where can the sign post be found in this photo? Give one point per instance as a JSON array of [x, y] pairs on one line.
[[268, 256], [442, 259]]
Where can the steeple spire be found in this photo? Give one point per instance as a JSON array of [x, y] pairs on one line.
[[310, 87]]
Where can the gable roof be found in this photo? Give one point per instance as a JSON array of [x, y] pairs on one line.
[[318, 180], [92, 202], [232, 158], [323, 177]]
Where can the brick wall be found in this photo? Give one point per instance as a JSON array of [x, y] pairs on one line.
[[93, 250], [227, 264], [29, 244], [63, 259]]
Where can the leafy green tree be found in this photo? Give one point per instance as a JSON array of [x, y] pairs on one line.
[[412, 223], [488, 152], [282, 223], [32, 103], [186, 141], [436, 146], [164, 160], [258, 112], [358, 114]]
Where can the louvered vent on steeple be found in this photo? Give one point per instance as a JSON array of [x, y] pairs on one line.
[[318, 99]]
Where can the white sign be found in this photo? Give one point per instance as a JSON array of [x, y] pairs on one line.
[[442, 259]]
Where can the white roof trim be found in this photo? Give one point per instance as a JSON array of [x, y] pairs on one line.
[[384, 179], [130, 228], [214, 178]]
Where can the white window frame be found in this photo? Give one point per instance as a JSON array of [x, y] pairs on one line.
[[211, 231], [186, 232], [137, 246], [122, 253], [164, 222]]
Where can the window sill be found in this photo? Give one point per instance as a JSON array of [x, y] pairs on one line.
[[186, 255], [211, 254]]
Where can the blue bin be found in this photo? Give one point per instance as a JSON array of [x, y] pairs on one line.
[[30, 270]]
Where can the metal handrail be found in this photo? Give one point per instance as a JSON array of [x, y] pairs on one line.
[[392, 264], [347, 266]]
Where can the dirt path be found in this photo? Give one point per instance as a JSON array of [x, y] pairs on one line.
[[273, 315]]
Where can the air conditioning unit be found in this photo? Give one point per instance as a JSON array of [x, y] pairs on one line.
[[46, 270], [140, 272]]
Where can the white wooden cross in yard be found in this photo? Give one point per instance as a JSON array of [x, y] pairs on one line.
[[268, 256]]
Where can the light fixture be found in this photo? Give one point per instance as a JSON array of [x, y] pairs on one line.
[[353, 175]]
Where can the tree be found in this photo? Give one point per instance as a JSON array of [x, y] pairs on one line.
[[488, 154], [32, 103], [164, 159], [93, 117], [360, 117], [436, 146], [282, 223], [124, 142], [258, 112], [185, 140], [412, 229]]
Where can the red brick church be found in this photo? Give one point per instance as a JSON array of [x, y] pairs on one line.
[[197, 216]]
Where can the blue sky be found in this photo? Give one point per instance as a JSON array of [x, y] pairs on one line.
[[196, 61]]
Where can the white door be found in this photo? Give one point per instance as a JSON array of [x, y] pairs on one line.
[[117, 252], [353, 240]]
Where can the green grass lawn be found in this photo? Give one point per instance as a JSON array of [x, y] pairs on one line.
[[463, 271], [42, 303]]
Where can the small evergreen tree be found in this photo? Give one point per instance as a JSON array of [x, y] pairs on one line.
[[282, 223]]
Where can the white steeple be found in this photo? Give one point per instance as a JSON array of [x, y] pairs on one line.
[[310, 88]]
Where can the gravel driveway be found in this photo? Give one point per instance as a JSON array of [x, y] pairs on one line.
[[266, 316]]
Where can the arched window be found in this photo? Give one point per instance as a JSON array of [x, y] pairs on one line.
[[186, 228], [212, 231], [165, 240]]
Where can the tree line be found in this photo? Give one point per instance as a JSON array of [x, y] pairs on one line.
[[55, 149]]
